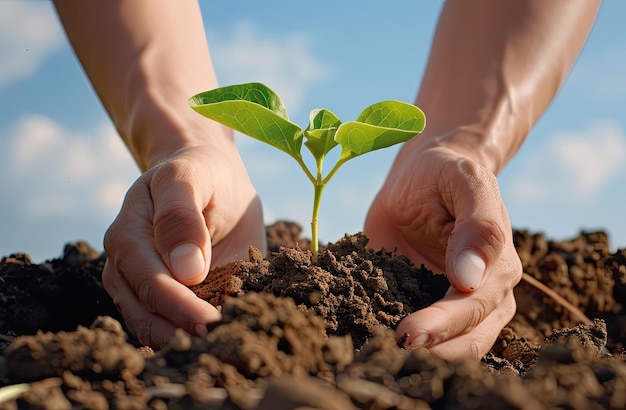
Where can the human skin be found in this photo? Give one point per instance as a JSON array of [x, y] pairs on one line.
[[193, 207], [494, 68]]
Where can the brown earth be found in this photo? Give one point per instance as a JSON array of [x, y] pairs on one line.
[[295, 334]]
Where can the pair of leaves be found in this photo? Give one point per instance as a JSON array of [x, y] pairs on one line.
[[255, 110]]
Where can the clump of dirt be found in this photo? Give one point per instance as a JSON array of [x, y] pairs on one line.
[[297, 334], [56, 295], [583, 271], [355, 290], [99, 352]]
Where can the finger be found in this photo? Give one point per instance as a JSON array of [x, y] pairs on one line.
[[481, 230], [456, 314], [150, 329], [154, 304], [180, 229], [140, 283], [480, 340]]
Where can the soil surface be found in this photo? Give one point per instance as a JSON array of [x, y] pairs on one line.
[[297, 334]]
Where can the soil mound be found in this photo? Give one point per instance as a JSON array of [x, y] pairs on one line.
[[297, 334]]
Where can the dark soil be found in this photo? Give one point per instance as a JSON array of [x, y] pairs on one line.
[[295, 334]]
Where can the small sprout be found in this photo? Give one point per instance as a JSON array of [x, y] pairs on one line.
[[255, 110]]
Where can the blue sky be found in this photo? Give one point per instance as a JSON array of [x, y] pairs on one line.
[[65, 171]]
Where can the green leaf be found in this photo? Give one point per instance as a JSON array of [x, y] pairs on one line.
[[253, 109], [321, 132], [379, 126]]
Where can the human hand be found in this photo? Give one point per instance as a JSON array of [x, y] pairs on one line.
[[194, 210], [441, 208]]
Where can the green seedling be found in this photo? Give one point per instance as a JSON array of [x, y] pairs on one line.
[[255, 110]]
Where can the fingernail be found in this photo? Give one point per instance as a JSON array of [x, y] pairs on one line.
[[419, 341], [187, 262], [200, 329], [469, 269]]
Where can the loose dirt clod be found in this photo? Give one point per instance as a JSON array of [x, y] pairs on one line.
[[355, 290], [297, 334]]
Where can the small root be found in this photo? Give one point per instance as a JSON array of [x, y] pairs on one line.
[[577, 313]]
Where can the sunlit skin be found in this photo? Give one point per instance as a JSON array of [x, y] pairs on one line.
[[494, 67], [481, 94]]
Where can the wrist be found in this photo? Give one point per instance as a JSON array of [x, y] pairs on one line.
[[468, 141], [490, 140], [154, 132]]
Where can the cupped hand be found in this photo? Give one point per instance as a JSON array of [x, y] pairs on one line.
[[442, 209], [194, 210]]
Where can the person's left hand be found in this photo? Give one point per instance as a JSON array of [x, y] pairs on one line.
[[444, 210]]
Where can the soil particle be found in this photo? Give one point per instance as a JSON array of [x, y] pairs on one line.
[[583, 271], [355, 290], [56, 295], [297, 334], [100, 352], [266, 336]]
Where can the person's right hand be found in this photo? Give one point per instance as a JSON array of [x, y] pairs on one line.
[[194, 210]]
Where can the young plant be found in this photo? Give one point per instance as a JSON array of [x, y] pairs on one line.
[[255, 110]]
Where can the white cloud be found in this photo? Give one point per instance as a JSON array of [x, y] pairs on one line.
[[29, 32], [36, 134], [287, 65], [56, 172], [592, 157], [574, 165]]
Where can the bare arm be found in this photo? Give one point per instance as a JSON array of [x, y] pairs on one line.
[[194, 206], [144, 58], [495, 66]]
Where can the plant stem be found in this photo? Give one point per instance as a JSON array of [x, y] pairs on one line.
[[317, 197], [305, 168], [334, 170], [318, 188]]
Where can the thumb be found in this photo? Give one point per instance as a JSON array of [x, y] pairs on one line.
[[180, 231], [468, 269], [478, 236]]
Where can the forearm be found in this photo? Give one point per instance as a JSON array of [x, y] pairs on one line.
[[145, 58], [494, 68]]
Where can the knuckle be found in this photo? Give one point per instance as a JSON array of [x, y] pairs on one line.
[[476, 173], [147, 292], [476, 348], [447, 324], [493, 236], [112, 237], [477, 311], [175, 213], [172, 170], [479, 343], [174, 219]]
